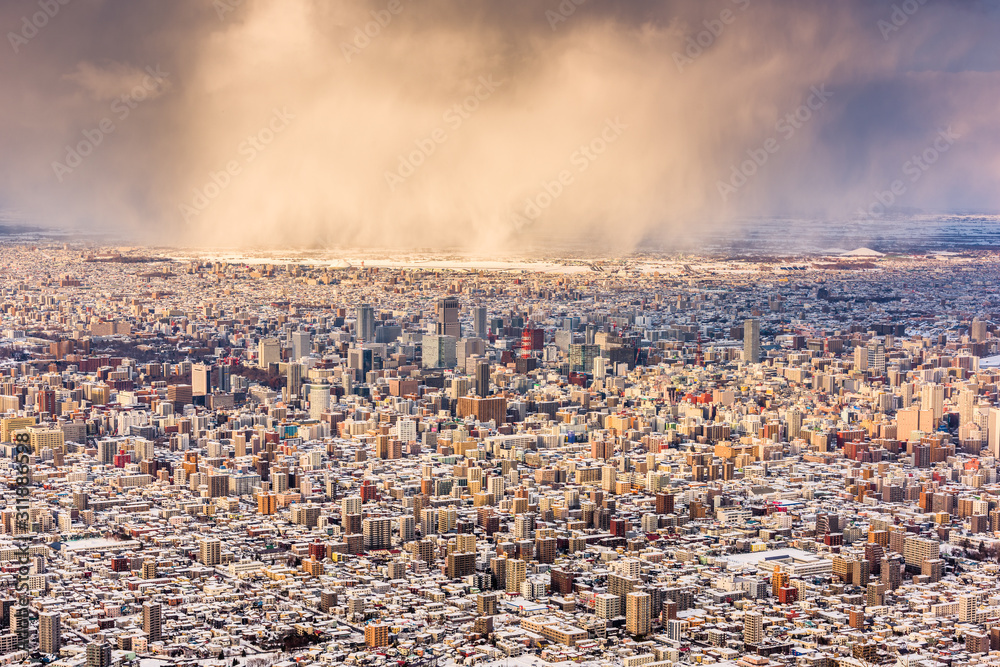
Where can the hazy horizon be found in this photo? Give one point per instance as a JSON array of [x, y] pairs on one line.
[[479, 127]]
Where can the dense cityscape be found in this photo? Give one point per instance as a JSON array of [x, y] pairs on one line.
[[652, 461]]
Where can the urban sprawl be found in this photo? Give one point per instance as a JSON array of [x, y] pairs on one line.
[[643, 462]]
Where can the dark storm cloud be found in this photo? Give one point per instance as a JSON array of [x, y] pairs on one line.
[[484, 124]]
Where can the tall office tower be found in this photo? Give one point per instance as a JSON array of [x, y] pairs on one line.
[[793, 420], [753, 627], [301, 344], [638, 613], [482, 379], [201, 379], [362, 360], [932, 398], [151, 623], [979, 331], [876, 357], [861, 358], [581, 357], [45, 401], [223, 377], [365, 327], [446, 310], [210, 551], [438, 351], [48, 632], [751, 341], [319, 400], [268, 352], [480, 324], [294, 376]]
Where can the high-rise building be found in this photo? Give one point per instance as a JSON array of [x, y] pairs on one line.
[[428, 521], [319, 400], [609, 475], [968, 608], [49, 639], [99, 654], [751, 341], [376, 634], [516, 574], [638, 610], [223, 377], [268, 352], [979, 331], [180, 395], [377, 532], [447, 323], [932, 398], [294, 376], [582, 356], [210, 551], [876, 357], [407, 528], [151, 622], [45, 401], [483, 409], [365, 327], [482, 378], [438, 351], [753, 627], [793, 420], [967, 398], [479, 322], [201, 379], [362, 360], [301, 344]]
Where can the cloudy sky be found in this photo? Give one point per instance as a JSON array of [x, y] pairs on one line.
[[491, 125]]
